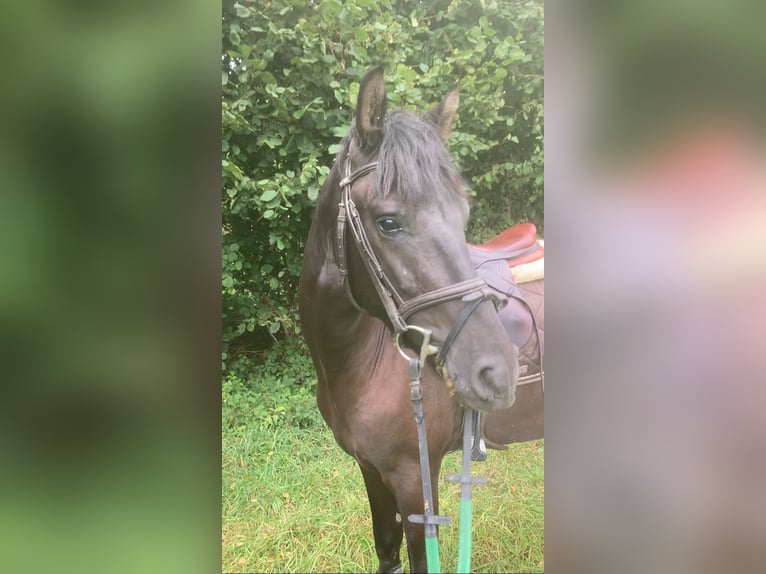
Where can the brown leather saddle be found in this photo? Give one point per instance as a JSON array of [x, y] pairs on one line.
[[523, 316]]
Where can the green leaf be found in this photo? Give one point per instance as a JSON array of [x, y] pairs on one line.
[[272, 141], [341, 131], [268, 195], [330, 8], [353, 92]]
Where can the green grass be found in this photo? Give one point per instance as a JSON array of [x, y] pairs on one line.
[[294, 502]]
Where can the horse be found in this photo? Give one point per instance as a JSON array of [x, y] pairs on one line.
[[387, 250]]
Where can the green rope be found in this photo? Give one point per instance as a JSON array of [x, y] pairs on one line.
[[432, 555], [464, 544]]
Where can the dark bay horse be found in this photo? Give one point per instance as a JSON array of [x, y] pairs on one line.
[[411, 266]]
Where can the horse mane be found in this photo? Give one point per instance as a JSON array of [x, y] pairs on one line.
[[412, 159]]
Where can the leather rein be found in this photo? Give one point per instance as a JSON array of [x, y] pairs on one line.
[[472, 291]]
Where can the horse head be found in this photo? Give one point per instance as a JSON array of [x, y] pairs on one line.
[[406, 259]]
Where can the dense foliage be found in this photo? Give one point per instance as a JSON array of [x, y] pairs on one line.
[[290, 75], [280, 392]]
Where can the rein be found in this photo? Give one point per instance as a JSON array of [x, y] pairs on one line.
[[471, 451], [472, 292]]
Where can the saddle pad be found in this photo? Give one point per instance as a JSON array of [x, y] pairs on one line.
[[528, 272]]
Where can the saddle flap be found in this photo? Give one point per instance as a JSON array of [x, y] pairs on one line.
[[514, 315], [523, 315]]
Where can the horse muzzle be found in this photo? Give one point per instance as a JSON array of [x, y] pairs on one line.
[[485, 382]]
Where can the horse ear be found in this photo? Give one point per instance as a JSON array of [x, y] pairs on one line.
[[443, 114], [371, 109]]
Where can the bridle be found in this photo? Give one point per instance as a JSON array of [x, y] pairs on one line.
[[472, 292]]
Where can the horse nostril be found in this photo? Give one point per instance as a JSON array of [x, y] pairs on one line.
[[496, 378], [495, 384]]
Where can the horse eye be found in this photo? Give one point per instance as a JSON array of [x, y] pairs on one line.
[[388, 224]]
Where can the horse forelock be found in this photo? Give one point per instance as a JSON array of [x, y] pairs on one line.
[[412, 161]]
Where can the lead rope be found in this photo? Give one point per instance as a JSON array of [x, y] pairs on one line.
[[466, 481], [428, 518], [470, 432]]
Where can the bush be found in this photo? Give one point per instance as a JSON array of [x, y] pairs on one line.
[[279, 391], [290, 76]]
